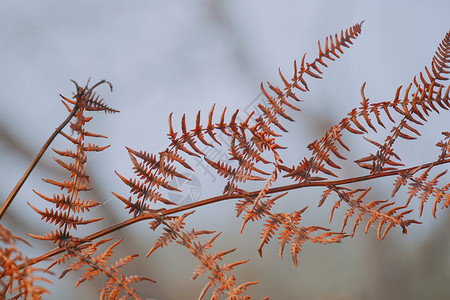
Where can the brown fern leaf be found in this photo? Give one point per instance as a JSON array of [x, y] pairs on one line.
[[390, 218], [61, 201], [190, 240], [86, 98], [137, 207], [243, 204], [241, 148], [270, 227], [223, 169], [69, 204], [332, 46], [294, 234], [235, 292], [145, 191], [152, 163], [445, 146], [411, 108], [440, 195], [242, 151], [303, 235], [426, 189], [248, 150], [171, 233], [116, 284], [303, 172], [311, 69], [114, 287], [225, 282], [260, 210], [327, 144], [271, 118], [150, 178], [62, 219], [17, 282], [198, 131], [417, 185], [155, 171], [402, 179], [248, 142], [297, 235], [55, 236], [440, 65]]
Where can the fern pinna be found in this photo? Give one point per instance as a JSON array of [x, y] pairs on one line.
[[18, 277], [69, 205], [254, 154]]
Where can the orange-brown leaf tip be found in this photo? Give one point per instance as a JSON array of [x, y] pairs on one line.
[[170, 125], [183, 123]]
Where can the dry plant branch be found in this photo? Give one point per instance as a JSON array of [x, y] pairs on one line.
[[253, 154], [41, 152]]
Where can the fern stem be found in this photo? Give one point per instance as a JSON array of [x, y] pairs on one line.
[[35, 161], [149, 216], [290, 187]]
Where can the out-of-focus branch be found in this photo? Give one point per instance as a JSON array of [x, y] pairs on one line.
[[36, 159]]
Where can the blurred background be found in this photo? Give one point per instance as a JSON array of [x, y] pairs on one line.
[[183, 56]]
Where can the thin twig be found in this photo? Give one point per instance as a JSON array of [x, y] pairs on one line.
[[35, 161]]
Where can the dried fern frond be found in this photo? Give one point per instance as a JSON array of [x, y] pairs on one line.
[[17, 282], [294, 234], [69, 205], [225, 284], [252, 143], [375, 209], [94, 265], [413, 108]]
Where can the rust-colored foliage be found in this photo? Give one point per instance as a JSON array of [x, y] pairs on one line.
[[69, 204], [116, 284], [252, 144], [208, 263], [18, 277]]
